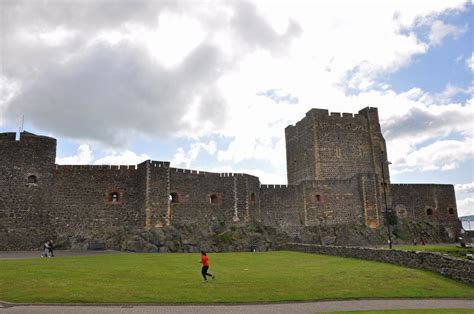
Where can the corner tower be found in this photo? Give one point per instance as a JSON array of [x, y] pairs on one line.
[[26, 175]]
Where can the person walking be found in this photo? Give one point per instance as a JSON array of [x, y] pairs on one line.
[[205, 266], [45, 250]]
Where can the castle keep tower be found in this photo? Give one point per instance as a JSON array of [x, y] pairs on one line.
[[327, 148]]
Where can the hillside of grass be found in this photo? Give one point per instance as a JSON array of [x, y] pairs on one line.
[[241, 277]]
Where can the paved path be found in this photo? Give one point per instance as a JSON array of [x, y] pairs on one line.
[[275, 308]]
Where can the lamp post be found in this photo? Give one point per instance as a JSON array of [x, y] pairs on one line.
[[386, 203]]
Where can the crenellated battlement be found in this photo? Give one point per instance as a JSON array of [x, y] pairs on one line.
[[96, 167], [274, 186], [325, 115], [159, 164], [421, 185], [207, 173]]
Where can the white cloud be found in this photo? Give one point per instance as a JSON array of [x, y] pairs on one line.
[[83, 157], [184, 159], [124, 158], [441, 155], [195, 70], [470, 62], [465, 188], [439, 30], [265, 177], [466, 206]]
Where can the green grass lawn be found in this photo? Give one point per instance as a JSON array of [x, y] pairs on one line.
[[449, 249], [241, 277], [407, 311]]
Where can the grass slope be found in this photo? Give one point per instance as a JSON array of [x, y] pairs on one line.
[[241, 277]]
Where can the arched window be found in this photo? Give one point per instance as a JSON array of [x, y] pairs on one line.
[[253, 197], [32, 179], [114, 197], [451, 211], [429, 212], [174, 197], [213, 199]]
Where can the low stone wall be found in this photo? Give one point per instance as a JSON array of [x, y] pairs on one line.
[[448, 266]]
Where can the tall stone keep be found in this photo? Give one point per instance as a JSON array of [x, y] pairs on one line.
[[323, 147]]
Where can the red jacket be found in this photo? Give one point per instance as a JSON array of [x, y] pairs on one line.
[[204, 260]]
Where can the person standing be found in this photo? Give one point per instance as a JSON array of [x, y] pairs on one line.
[[205, 266], [45, 250], [50, 248]]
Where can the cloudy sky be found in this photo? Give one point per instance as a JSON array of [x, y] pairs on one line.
[[212, 85]]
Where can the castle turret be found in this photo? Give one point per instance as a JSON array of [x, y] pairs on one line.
[[26, 174]]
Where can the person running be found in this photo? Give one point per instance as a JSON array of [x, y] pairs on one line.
[[205, 266]]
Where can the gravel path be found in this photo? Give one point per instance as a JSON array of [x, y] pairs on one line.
[[294, 308]]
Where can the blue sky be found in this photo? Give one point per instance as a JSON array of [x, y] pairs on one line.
[[212, 85]]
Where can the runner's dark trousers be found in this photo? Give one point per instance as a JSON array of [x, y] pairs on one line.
[[205, 273]]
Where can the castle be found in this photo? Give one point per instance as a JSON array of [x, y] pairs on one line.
[[337, 175]]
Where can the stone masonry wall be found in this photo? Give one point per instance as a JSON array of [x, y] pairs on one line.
[[282, 206], [332, 202], [157, 190], [433, 203], [445, 265], [204, 197], [337, 174], [82, 203], [325, 146], [26, 167]]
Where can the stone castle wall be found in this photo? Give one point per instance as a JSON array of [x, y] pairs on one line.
[[432, 203], [212, 197], [81, 201], [336, 172]]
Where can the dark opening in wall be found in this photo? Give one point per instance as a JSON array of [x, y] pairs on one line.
[[174, 197], [213, 199], [252, 197], [32, 179], [451, 211], [316, 199], [113, 197], [429, 212]]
